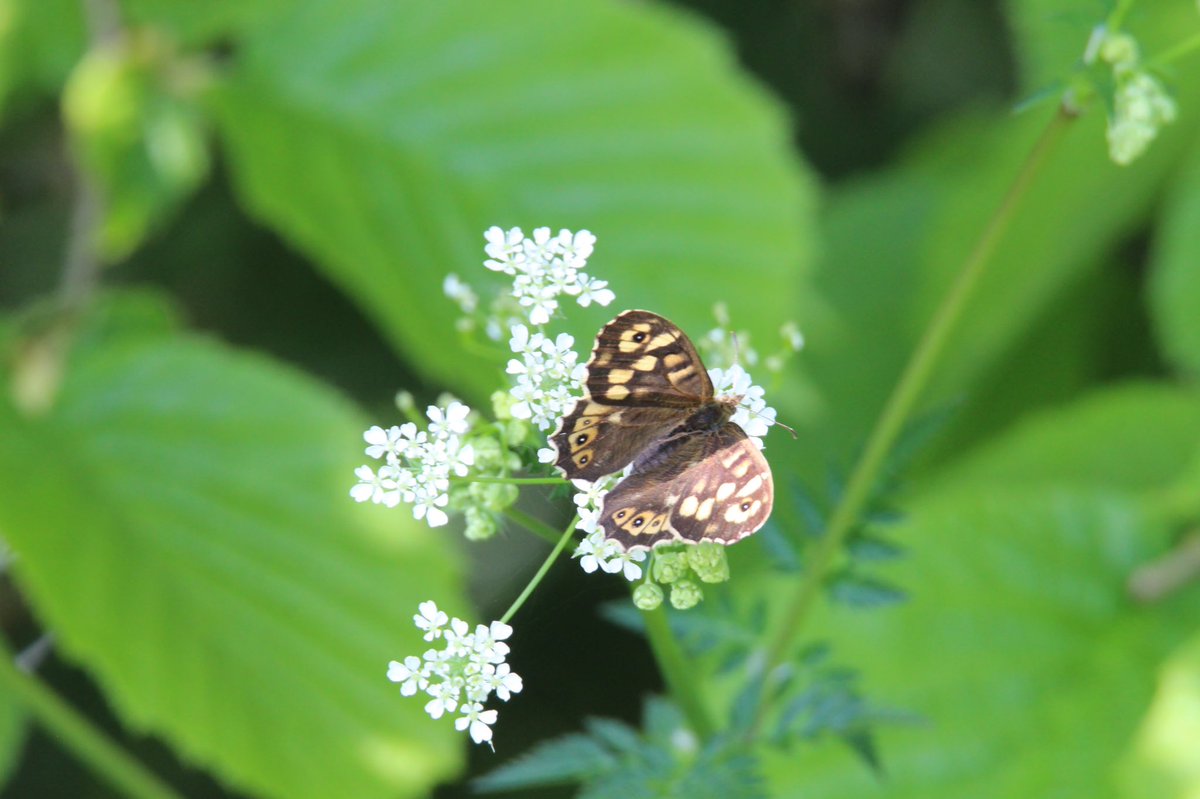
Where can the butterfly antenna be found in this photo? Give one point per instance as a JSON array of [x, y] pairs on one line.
[[776, 422]]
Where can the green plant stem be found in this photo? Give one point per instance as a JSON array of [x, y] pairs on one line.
[[533, 524], [515, 481], [541, 572], [903, 397], [676, 672], [1186, 47], [79, 736]]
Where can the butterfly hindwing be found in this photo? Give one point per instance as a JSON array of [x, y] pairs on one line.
[[708, 486]]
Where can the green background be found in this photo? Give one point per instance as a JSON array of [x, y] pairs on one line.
[[284, 186]]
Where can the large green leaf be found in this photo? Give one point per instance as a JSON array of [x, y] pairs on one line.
[[384, 139], [1133, 437], [13, 727], [1175, 280], [181, 521], [896, 240], [1163, 762], [1020, 648], [40, 40]]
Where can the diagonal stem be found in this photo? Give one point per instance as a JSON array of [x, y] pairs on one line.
[[78, 735], [545, 567], [903, 398]]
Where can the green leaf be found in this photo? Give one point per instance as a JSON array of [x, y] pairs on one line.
[[426, 124], [1132, 437], [572, 758], [40, 41], [1175, 275], [1162, 763], [863, 592], [139, 136], [182, 523], [13, 729], [202, 23], [1020, 647], [925, 215]]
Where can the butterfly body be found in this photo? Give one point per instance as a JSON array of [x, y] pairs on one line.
[[696, 475]]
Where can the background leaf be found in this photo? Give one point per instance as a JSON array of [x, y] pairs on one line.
[[421, 130], [181, 521], [1175, 280], [1020, 648]]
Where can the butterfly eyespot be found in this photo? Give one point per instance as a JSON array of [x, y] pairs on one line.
[[639, 337], [638, 522], [745, 506], [583, 459], [620, 515], [581, 439]]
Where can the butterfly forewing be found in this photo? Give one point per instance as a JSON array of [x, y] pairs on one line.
[[710, 486], [643, 379], [642, 359]]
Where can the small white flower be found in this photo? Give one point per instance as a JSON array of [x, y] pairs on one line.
[[430, 619], [628, 564], [371, 486], [503, 681], [489, 641], [504, 249], [478, 720], [460, 292], [449, 422], [590, 493], [547, 455], [589, 550], [443, 701], [409, 674], [576, 248], [596, 292]]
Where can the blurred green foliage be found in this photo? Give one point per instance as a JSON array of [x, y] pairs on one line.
[[299, 177]]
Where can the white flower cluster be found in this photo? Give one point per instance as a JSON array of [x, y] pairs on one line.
[[545, 267], [753, 414], [418, 463], [548, 375], [597, 552], [1141, 106], [463, 674]]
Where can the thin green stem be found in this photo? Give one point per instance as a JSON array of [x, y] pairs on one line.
[[541, 572], [515, 481], [1184, 48], [677, 673], [902, 400], [533, 524], [79, 736]]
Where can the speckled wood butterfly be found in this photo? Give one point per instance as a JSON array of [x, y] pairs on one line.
[[696, 475]]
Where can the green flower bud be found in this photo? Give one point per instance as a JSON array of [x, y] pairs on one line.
[[499, 496], [669, 565], [480, 524], [502, 403], [708, 560], [515, 432], [488, 453], [647, 596], [685, 594]]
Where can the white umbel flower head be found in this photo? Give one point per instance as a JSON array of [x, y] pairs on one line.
[[462, 675], [418, 463]]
